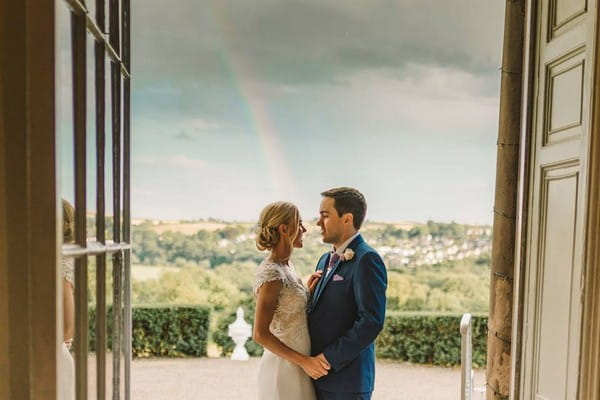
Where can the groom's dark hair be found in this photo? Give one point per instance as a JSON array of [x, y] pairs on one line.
[[348, 200]]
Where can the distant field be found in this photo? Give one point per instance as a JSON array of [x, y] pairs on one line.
[[406, 225], [189, 228], [145, 272]]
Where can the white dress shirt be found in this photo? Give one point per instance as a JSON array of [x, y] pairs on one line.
[[340, 250]]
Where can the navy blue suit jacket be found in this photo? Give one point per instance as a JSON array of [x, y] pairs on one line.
[[346, 314]]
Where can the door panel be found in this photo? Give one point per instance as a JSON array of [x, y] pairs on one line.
[[558, 175]]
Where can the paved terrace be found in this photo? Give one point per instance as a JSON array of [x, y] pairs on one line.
[[223, 379]]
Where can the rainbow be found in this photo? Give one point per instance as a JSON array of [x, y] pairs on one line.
[[252, 98]]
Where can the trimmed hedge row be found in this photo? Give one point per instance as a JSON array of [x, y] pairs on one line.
[[421, 338], [162, 331], [178, 331], [430, 338]]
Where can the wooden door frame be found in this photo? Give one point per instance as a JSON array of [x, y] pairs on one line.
[[522, 216], [589, 366], [29, 246], [589, 380], [30, 212]]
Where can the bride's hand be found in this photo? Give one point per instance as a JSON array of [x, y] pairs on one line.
[[314, 367], [313, 280]]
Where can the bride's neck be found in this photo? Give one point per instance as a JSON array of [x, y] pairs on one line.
[[281, 254]]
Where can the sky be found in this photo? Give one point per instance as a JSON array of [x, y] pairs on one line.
[[238, 103]]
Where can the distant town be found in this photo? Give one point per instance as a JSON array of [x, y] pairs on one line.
[[402, 244], [429, 250]]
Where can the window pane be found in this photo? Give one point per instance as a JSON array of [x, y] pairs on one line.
[[117, 13], [120, 28], [91, 140], [109, 324], [122, 96], [106, 15], [64, 102], [117, 159], [92, 333], [91, 6], [108, 166], [115, 357]]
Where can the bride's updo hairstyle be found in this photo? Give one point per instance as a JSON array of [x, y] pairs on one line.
[[68, 222], [273, 215]]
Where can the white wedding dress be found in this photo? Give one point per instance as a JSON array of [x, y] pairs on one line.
[[67, 364], [279, 379]]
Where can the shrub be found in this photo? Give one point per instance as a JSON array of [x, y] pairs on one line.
[[429, 338], [162, 331]]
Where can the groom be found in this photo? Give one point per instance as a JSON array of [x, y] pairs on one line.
[[347, 309]]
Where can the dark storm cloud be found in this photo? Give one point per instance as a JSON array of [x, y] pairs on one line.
[[184, 137], [311, 42]]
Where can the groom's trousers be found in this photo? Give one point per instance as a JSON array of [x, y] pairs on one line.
[[323, 395]]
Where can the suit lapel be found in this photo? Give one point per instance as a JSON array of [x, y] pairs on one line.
[[328, 277], [324, 261], [320, 267]]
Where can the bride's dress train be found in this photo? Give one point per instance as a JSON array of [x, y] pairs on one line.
[[67, 380]]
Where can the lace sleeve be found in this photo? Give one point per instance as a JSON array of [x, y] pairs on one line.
[[68, 270], [268, 272]]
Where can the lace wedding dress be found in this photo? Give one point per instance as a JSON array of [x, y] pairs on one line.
[[67, 380], [279, 379]]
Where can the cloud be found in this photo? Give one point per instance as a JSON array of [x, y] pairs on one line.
[[197, 124], [429, 100], [177, 161], [191, 129], [184, 136], [408, 88], [296, 42], [192, 61]]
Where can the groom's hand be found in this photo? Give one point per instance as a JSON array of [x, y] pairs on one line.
[[314, 367], [323, 360]]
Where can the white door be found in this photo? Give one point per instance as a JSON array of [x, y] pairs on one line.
[[564, 33]]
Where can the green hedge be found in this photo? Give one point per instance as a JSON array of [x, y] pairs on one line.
[[177, 331], [162, 331], [430, 338], [422, 338]]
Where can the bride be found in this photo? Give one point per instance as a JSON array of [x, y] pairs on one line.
[[67, 381], [280, 324]]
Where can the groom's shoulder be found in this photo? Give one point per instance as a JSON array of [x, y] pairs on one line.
[[364, 249]]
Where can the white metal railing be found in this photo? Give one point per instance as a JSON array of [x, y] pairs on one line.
[[466, 360], [466, 356]]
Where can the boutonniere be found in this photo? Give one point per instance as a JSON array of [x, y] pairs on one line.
[[348, 255]]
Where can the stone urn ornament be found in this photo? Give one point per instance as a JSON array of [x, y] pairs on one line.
[[240, 331]]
